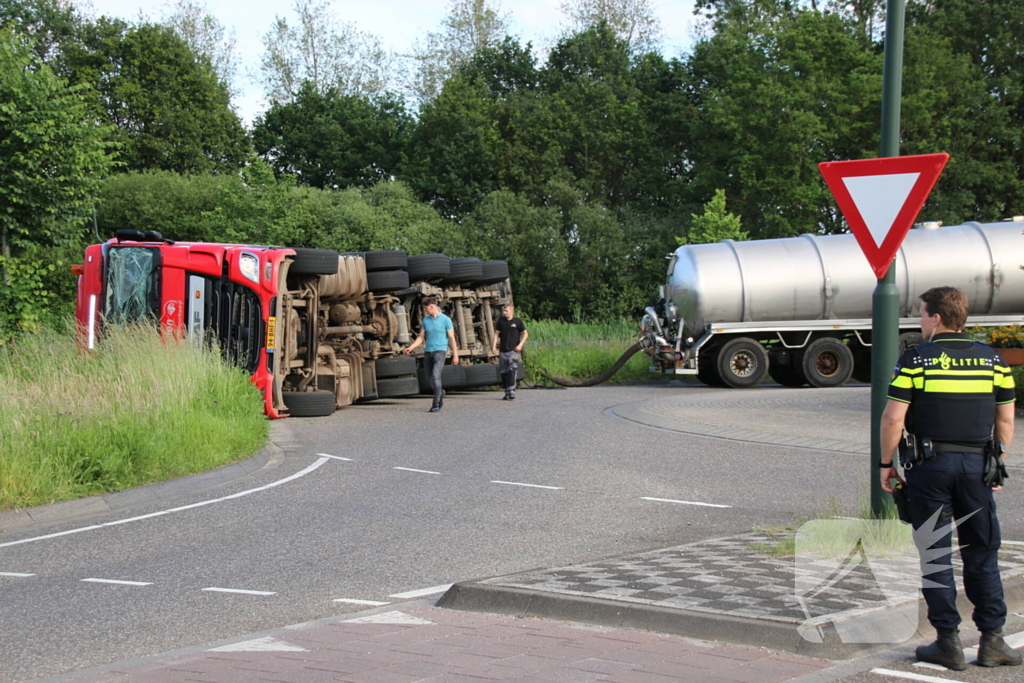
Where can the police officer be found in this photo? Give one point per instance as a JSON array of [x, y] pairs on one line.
[[958, 395]]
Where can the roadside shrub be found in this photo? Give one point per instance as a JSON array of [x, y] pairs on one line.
[[581, 350], [139, 409]]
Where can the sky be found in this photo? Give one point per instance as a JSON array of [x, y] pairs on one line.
[[399, 23]]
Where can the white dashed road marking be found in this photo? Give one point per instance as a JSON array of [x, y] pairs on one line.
[[271, 485], [421, 592], [214, 589], [685, 502], [369, 603], [409, 469], [532, 486], [119, 583], [334, 457], [16, 575], [913, 676]]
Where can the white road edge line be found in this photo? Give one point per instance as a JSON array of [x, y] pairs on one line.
[[685, 502], [421, 592], [271, 485], [913, 676], [214, 589], [16, 575], [409, 469], [334, 457], [371, 603], [532, 486], [119, 583]]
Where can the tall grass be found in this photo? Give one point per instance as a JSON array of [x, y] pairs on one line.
[[580, 350], [138, 409]]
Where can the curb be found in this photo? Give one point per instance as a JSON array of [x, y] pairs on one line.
[[269, 456], [479, 596]]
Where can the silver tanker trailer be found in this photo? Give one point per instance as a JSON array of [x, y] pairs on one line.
[[799, 309]]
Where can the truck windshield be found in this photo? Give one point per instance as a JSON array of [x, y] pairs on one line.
[[133, 288]]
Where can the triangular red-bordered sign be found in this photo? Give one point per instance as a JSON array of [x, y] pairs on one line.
[[880, 199]]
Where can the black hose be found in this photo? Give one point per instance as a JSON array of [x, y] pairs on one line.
[[604, 376]]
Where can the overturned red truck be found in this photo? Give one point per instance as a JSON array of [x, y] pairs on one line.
[[317, 329]]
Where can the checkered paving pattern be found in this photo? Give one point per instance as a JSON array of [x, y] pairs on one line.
[[735, 576]]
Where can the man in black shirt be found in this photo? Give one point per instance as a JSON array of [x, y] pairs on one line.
[[509, 336], [956, 396]]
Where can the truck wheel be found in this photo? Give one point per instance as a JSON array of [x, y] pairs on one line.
[[425, 267], [827, 363], [464, 270], [482, 375], [909, 340], [493, 273], [387, 281], [314, 262], [309, 403], [742, 363], [397, 386], [386, 260], [707, 368], [784, 368], [452, 377], [398, 366]]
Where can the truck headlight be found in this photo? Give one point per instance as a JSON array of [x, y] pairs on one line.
[[250, 267]]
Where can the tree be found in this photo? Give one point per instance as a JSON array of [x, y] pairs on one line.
[[334, 141], [170, 109], [469, 27], [206, 37], [715, 224], [54, 155], [324, 51], [47, 23], [633, 21]]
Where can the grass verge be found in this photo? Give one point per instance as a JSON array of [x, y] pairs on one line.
[[580, 350], [137, 410]]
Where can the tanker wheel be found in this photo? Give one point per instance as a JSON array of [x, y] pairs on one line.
[[742, 363], [827, 363], [784, 368], [707, 368], [909, 340]]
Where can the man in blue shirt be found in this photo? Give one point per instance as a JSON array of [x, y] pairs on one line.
[[438, 331]]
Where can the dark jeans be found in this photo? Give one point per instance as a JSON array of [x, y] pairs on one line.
[[433, 363], [952, 482]]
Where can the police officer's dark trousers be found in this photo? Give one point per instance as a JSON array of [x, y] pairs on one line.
[[953, 482]]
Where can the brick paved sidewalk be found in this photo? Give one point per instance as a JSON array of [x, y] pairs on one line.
[[424, 643]]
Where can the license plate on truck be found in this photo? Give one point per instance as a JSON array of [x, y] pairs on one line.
[[271, 333]]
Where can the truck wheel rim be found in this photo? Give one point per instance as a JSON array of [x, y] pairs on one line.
[[743, 364], [827, 364]]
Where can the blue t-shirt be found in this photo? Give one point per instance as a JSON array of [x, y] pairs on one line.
[[437, 332]]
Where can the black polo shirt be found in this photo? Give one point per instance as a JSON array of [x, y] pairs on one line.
[[510, 331]]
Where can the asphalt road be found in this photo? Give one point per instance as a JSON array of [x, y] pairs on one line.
[[408, 501]]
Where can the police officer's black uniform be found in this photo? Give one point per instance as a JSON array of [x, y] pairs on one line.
[[953, 386]]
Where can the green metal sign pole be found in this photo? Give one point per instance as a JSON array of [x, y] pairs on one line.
[[885, 299]]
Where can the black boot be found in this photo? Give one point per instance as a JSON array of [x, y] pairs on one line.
[[946, 650], [993, 650]]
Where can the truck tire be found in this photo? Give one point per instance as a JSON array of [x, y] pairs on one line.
[[784, 367], [452, 377], [482, 375], [464, 270], [398, 366], [909, 340], [309, 403], [742, 363], [827, 362], [387, 281], [397, 386], [426, 267], [707, 368], [386, 260], [314, 262], [493, 273]]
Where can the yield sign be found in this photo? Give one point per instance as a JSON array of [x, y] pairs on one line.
[[880, 199]]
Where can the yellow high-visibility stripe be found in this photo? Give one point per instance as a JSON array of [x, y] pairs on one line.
[[912, 371], [999, 368], [958, 373], [959, 386], [902, 382], [1008, 382], [919, 382]]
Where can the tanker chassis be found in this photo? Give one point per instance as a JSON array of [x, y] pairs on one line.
[[316, 329], [799, 309]]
